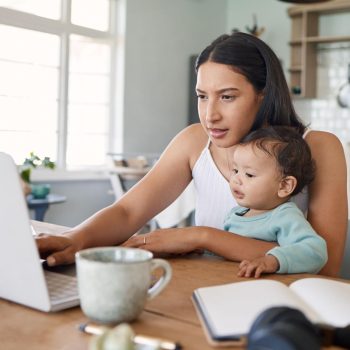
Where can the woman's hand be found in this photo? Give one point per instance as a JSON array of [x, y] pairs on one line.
[[57, 250], [166, 241]]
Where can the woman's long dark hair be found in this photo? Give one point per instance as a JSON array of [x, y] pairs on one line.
[[250, 56]]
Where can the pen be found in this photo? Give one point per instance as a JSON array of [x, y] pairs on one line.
[[138, 339]]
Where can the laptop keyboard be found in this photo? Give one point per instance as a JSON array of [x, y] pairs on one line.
[[61, 287]]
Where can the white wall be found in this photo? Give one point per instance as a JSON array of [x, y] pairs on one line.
[[161, 35]]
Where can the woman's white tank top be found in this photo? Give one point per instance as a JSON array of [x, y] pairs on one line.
[[213, 195]]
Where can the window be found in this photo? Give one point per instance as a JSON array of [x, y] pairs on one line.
[[56, 69]]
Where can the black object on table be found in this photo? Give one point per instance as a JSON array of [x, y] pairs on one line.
[[40, 206]]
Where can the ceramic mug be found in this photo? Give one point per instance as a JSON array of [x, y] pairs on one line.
[[115, 282]]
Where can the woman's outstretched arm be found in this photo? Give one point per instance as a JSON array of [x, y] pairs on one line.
[[188, 239], [116, 223]]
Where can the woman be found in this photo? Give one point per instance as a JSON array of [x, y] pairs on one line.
[[240, 87]]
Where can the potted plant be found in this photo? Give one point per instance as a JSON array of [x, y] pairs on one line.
[[32, 162]]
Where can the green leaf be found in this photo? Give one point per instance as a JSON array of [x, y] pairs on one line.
[[25, 175], [33, 161], [47, 163]]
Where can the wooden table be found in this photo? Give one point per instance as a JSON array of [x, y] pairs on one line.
[[170, 315]]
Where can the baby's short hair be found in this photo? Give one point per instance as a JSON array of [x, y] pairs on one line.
[[290, 150]]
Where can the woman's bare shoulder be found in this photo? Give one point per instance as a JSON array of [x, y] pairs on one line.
[[323, 142], [329, 157], [317, 136], [195, 132], [193, 138]]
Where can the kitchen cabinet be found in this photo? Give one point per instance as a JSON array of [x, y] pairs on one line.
[[305, 36]]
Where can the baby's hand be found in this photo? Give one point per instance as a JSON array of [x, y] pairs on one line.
[[254, 268]]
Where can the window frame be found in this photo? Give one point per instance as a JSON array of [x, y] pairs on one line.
[[64, 28]]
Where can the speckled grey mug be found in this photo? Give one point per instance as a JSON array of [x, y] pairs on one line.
[[115, 282]]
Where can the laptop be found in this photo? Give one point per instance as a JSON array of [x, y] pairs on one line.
[[23, 278]]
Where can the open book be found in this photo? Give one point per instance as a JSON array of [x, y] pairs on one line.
[[228, 311]]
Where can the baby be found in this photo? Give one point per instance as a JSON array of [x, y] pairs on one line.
[[269, 166]]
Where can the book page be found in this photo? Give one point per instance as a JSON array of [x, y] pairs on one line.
[[231, 309], [331, 299]]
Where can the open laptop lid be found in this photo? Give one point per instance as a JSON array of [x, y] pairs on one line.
[[21, 275]]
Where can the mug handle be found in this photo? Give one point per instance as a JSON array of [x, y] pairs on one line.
[[163, 280]]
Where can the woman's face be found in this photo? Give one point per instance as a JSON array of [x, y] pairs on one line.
[[227, 103]]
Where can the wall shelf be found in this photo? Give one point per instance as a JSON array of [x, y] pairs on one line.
[[327, 39], [304, 40], [295, 69]]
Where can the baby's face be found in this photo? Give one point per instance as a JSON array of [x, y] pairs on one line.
[[255, 178]]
